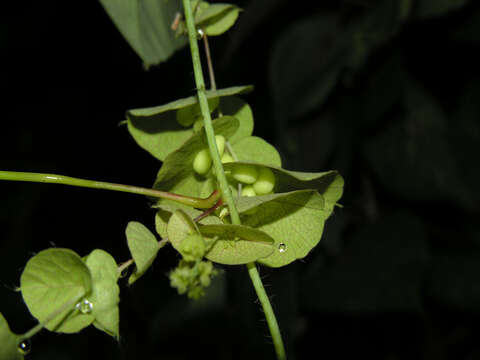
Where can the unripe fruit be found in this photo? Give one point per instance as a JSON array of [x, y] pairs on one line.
[[248, 191], [220, 140], [246, 174], [198, 124], [202, 162], [226, 158], [265, 181]]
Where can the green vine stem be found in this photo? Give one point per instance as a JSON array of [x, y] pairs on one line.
[[222, 180], [198, 203], [37, 328]]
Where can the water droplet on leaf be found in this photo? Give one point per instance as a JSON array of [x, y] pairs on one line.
[[24, 347], [282, 247], [84, 306]]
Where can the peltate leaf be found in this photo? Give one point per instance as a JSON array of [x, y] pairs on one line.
[[146, 25], [143, 246], [294, 220], [51, 280], [217, 18], [9, 341], [105, 292], [156, 129]]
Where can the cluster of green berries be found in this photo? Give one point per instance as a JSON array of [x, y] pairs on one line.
[[256, 180]]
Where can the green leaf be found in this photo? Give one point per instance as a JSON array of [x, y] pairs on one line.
[[156, 129], [146, 25], [177, 175], [236, 244], [239, 109], [9, 342], [143, 246], [294, 220], [105, 293], [230, 244], [431, 8], [217, 18], [51, 279], [256, 149]]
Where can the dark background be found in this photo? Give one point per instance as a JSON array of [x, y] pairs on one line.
[[389, 98]]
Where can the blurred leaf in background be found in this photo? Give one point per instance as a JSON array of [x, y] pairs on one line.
[[146, 25]]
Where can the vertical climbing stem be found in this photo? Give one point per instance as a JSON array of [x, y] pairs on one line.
[[222, 180]]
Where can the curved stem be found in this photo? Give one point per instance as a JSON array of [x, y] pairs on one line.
[[199, 203], [222, 180]]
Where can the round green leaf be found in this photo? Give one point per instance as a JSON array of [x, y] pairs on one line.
[[52, 279], [143, 246], [9, 342], [105, 292], [294, 220]]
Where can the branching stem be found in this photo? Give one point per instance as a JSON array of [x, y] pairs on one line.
[[222, 180]]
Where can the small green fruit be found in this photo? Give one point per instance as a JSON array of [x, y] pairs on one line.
[[248, 191], [226, 158], [220, 140], [265, 181], [246, 174], [198, 124], [202, 162]]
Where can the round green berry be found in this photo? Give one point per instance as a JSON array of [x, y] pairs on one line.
[[198, 124], [226, 158], [202, 162], [248, 191], [265, 181], [220, 140], [246, 174]]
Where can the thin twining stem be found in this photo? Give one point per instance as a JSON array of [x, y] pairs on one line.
[[195, 202]]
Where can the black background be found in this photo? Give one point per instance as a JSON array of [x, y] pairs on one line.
[[396, 274]]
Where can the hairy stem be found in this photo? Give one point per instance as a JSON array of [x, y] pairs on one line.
[[222, 180], [199, 203]]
